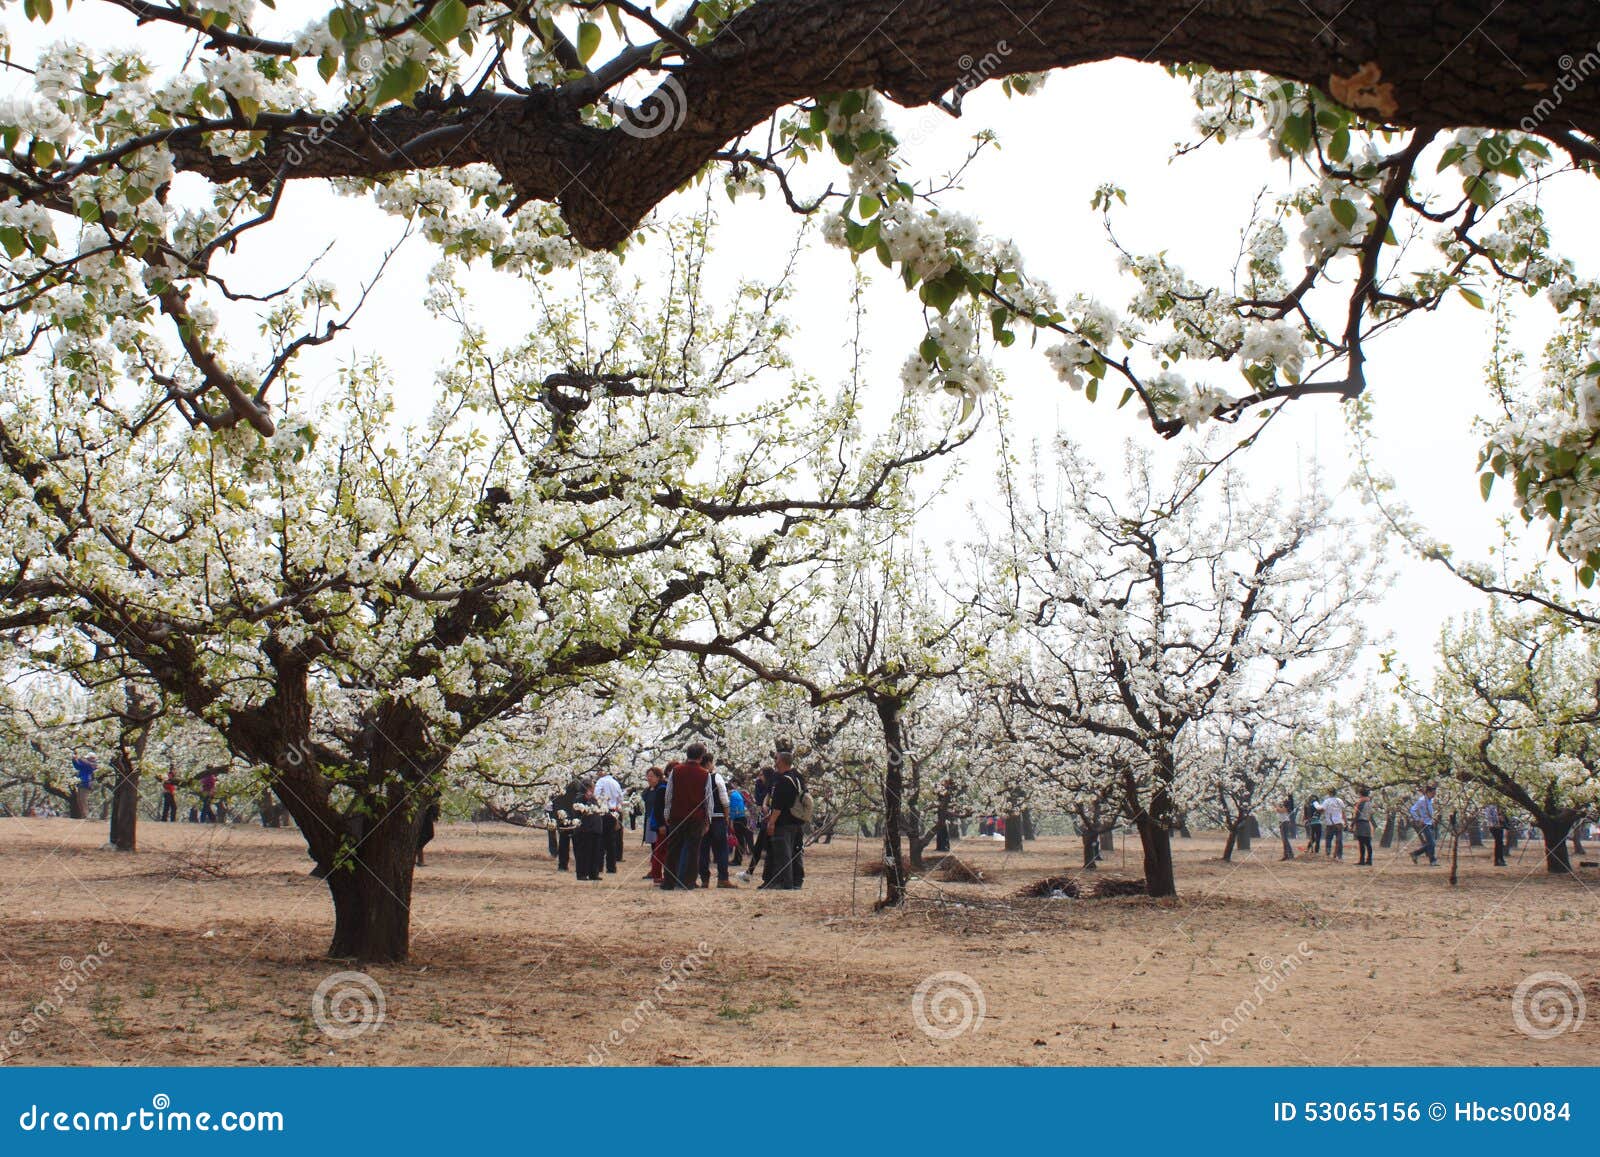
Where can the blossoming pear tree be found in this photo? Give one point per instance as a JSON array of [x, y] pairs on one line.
[[350, 600], [1153, 610]]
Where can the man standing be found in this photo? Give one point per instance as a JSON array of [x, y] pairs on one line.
[[1424, 814], [566, 821], [715, 845], [609, 792], [1332, 809], [688, 811], [1496, 822], [785, 867], [550, 825], [169, 798]]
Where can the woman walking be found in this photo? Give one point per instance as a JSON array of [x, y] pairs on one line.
[[1362, 822], [1313, 821], [1286, 827]]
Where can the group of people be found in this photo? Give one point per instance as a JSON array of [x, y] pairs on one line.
[[1325, 821], [207, 809], [695, 818]]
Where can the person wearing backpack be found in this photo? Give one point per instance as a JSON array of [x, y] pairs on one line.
[[739, 818], [785, 866]]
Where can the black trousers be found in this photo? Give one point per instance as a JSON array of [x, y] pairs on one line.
[[1499, 835], [783, 847], [715, 847], [1365, 843], [169, 809], [555, 845], [563, 850], [587, 849], [741, 832], [680, 857], [613, 842]]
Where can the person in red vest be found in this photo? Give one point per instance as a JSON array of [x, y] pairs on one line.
[[688, 816], [169, 798]]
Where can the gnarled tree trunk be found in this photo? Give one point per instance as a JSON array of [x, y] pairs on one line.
[[894, 874]]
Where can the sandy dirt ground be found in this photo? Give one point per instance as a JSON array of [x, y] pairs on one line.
[[208, 948]]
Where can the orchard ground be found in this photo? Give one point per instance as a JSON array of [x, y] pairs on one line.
[[1257, 962]]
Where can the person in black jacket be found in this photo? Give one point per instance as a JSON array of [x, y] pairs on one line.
[[590, 838], [566, 819], [785, 866]]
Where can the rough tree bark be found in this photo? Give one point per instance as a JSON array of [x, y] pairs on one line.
[[894, 874], [137, 718], [1426, 64], [1014, 832]]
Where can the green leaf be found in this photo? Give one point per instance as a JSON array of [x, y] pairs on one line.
[[588, 40], [1485, 485], [1296, 134], [12, 240], [445, 22], [1344, 212], [1472, 299]]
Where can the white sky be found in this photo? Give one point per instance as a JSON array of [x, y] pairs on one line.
[[1113, 122]]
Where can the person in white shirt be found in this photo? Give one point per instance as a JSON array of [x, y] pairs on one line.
[[715, 845], [1332, 809], [609, 792]]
